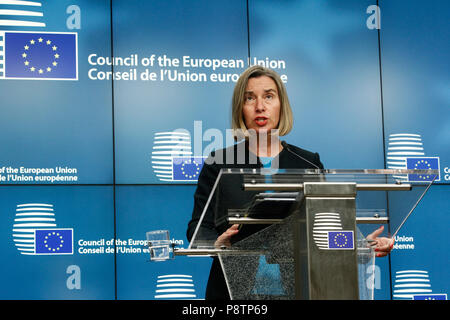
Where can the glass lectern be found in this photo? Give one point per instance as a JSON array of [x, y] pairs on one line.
[[300, 230]]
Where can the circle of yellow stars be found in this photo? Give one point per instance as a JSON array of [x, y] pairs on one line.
[[188, 175], [54, 234], [340, 235], [423, 162], [29, 46]]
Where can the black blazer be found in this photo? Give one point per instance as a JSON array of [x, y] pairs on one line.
[[290, 158]]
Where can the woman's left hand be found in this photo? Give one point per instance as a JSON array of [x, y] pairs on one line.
[[383, 245]]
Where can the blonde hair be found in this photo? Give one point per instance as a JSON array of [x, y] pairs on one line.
[[237, 118]]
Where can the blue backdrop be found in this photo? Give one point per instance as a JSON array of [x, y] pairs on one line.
[[91, 152]]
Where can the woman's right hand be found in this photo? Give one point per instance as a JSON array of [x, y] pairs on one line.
[[224, 240]]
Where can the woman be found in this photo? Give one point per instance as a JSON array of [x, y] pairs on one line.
[[260, 113]]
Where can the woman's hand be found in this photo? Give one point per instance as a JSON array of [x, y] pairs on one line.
[[224, 240], [383, 246]]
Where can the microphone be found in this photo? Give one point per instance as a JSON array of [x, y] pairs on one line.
[[285, 145]]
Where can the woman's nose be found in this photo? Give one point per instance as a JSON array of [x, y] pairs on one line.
[[260, 104]]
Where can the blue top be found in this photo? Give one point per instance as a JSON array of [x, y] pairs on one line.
[[268, 278], [266, 161]]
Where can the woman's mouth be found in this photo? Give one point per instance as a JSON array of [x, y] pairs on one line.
[[261, 121]]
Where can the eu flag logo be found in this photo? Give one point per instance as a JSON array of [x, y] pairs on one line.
[[340, 240], [423, 163], [39, 55], [53, 241], [187, 168]]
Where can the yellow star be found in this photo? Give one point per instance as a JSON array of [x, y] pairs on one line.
[[54, 48], [41, 71], [56, 56], [48, 42], [32, 69], [49, 69], [54, 63], [27, 63], [24, 55], [40, 39], [26, 47], [32, 41]]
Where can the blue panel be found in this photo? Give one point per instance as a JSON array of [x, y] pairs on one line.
[[148, 208], [415, 56], [331, 64], [204, 30], [420, 253], [86, 213], [57, 242], [61, 123]]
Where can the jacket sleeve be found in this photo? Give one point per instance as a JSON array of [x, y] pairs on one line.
[[317, 161], [206, 180]]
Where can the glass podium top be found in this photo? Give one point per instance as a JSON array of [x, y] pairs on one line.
[[262, 197]]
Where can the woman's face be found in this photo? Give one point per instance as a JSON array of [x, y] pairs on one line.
[[261, 104]]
